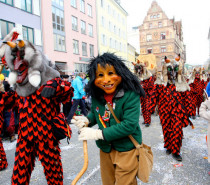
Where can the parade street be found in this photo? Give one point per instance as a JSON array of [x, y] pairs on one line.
[[193, 170]]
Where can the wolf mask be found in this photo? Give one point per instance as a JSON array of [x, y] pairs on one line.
[[29, 67]]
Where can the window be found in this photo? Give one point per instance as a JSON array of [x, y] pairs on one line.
[[149, 50], [114, 29], [83, 27], [90, 30], [102, 21], [5, 28], [74, 3], [28, 34], [158, 15], [110, 42], [155, 16], [102, 3], [90, 10], [149, 38], [26, 5], [58, 19], [159, 24], [91, 50], [82, 6], [163, 49], [59, 42], [74, 23], [110, 26], [75, 46], [150, 25], [151, 16], [119, 32], [103, 39], [163, 36], [58, 2], [84, 49], [9, 2]]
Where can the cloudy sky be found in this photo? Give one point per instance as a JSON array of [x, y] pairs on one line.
[[195, 17]]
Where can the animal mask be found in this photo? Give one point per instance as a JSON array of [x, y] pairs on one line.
[[141, 71], [30, 69]]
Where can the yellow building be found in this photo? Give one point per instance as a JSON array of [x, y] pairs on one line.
[[131, 57], [111, 28]]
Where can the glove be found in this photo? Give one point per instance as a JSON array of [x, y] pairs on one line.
[[83, 97], [49, 90], [87, 133], [80, 121]]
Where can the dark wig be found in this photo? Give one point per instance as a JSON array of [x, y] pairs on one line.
[[129, 80]]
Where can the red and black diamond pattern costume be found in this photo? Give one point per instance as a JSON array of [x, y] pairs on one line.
[[196, 89], [4, 97], [35, 135], [174, 110], [148, 86]]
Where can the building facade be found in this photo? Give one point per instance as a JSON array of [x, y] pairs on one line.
[[69, 33], [131, 57], [161, 36], [112, 28], [25, 15]]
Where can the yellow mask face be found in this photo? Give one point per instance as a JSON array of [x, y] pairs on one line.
[[107, 79]]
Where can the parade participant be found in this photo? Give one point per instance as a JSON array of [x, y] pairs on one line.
[[112, 82], [204, 112], [39, 92], [174, 106], [147, 82], [197, 89]]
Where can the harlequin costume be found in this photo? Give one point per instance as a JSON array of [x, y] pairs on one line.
[[39, 92], [197, 87], [174, 106], [4, 97], [147, 82]]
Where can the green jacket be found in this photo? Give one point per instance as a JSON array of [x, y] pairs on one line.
[[127, 110]]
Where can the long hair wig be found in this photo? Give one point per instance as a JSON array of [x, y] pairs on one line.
[[129, 80]]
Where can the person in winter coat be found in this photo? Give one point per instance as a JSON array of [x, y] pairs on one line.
[[112, 82], [204, 112]]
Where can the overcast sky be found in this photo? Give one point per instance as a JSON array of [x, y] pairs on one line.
[[195, 17]]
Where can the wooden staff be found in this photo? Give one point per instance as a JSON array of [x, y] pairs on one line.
[[85, 165]]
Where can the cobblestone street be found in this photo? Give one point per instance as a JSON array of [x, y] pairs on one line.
[[193, 172]]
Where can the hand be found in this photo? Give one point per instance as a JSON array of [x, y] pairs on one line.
[[80, 121], [49, 90], [87, 133], [81, 118]]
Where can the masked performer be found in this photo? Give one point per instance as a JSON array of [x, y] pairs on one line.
[[147, 83], [39, 92], [174, 106], [112, 82], [197, 89]]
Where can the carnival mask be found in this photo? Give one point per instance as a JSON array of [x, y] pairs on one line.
[[172, 72], [138, 69], [107, 79]]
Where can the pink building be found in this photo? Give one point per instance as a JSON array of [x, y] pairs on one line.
[[69, 33]]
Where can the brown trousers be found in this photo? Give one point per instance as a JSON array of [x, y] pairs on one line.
[[119, 168]]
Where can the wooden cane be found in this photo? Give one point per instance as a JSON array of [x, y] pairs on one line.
[[85, 165]]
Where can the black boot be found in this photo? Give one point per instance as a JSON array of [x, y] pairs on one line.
[[168, 152], [147, 125], [143, 123], [193, 117], [177, 157]]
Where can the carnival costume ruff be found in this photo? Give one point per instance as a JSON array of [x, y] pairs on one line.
[[174, 106], [147, 82], [39, 92]]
